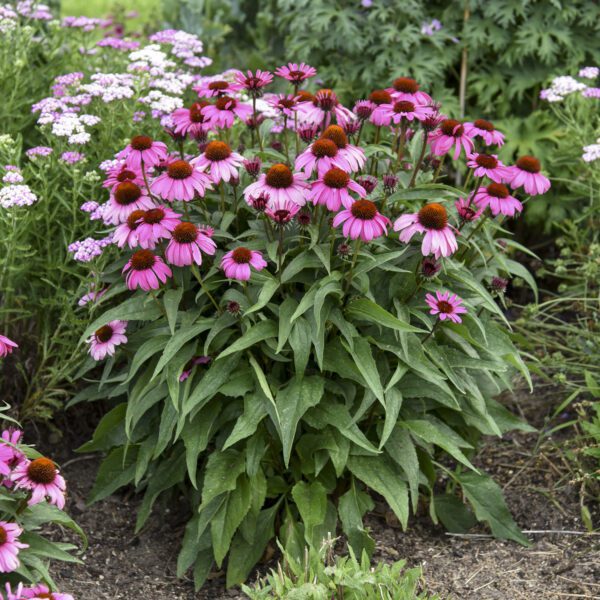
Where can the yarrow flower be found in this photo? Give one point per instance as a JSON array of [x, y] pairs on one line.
[[104, 341], [497, 197], [362, 220], [6, 346], [32, 153], [146, 271], [446, 306], [187, 244], [432, 220], [89, 248], [181, 181], [17, 195], [526, 173], [589, 72], [10, 546], [236, 263], [591, 152], [43, 480], [560, 87]]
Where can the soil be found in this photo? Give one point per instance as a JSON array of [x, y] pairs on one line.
[[121, 565]]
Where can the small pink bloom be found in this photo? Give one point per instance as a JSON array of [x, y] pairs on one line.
[[320, 156], [467, 210], [445, 306], [450, 133], [42, 592], [6, 346], [253, 82], [402, 111], [236, 263], [283, 213], [121, 173], [333, 188], [210, 87], [126, 198], [126, 233], [320, 109], [146, 271], [497, 197], [526, 173], [284, 104], [144, 149], [432, 220], [220, 161], [10, 546], [181, 181], [197, 360], [486, 131], [296, 73], [104, 340], [156, 224], [379, 98], [353, 155], [279, 184], [488, 165], [362, 220], [223, 112], [187, 244], [405, 88], [43, 480], [191, 121]]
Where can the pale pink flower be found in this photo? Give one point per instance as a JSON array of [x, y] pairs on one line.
[[284, 104], [497, 197], [446, 306], [104, 341], [143, 149], [379, 116], [467, 210], [6, 346], [406, 88], [210, 87], [353, 155], [146, 271], [283, 213], [488, 165], [362, 220], [320, 109], [126, 197], [279, 183], [333, 189], [236, 263], [120, 173], [191, 121], [156, 224], [126, 233], [42, 479], [181, 181], [220, 161], [450, 133], [296, 73], [526, 173], [187, 244], [10, 546], [402, 111], [486, 131], [42, 592], [253, 82], [322, 155], [223, 112]]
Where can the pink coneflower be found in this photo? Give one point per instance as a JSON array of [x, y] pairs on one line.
[[10, 455], [526, 173], [91, 296], [121, 173], [279, 183], [220, 161], [236, 263], [450, 133], [10, 546], [445, 306], [126, 233], [368, 182], [43, 480], [144, 149], [406, 88], [6, 346], [42, 592], [379, 98], [497, 197], [156, 224], [467, 210], [146, 270], [126, 198], [307, 132], [296, 73], [332, 189], [402, 111], [320, 156], [319, 111], [283, 213], [488, 165], [353, 155], [191, 121], [363, 109], [197, 360], [254, 83], [181, 181], [285, 104], [187, 244], [104, 340], [211, 87], [224, 111], [485, 130], [362, 220], [432, 220], [252, 166]]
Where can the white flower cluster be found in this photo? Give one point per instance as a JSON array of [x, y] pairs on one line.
[[110, 86], [151, 59], [560, 87], [17, 195], [590, 72], [591, 152]]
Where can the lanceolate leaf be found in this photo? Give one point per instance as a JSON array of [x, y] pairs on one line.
[[367, 310], [255, 334]]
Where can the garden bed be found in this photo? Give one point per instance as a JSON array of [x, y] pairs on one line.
[[119, 564]]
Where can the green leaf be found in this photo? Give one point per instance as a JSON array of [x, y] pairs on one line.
[[401, 449], [286, 310], [44, 513], [311, 500], [292, 402], [254, 412], [382, 475], [351, 507], [116, 470], [110, 431], [486, 497], [365, 363], [171, 300], [365, 309], [222, 471], [393, 403], [267, 291], [42, 547], [300, 342], [255, 334], [454, 514]]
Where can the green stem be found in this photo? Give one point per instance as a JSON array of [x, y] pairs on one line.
[[419, 160], [204, 288], [354, 259]]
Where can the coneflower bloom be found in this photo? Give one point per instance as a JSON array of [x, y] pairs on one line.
[[146, 271], [296, 73], [121, 173], [143, 148], [191, 121], [322, 155], [126, 198], [319, 111], [236, 263], [333, 188], [187, 244], [486, 131], [224, 111], [42, 592], [353, 155], [526, 173], [254, 83], [363, 109], [91, 296], [10, 454], [181, 181], [6, 346], [402, 111], [362, 220], [431, 220], [10, 546], [497, 197], [468, 211], [406, 88], [209, 87], [285, 104], [450, 133], [220, 161], [488, 165], [379, 98], [446, 306], [279, 183], [156, 224], [126, 233], [104, 341], [282, 213], [43, 480]]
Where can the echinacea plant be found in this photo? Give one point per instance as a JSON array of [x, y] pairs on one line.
[[309, 318]]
